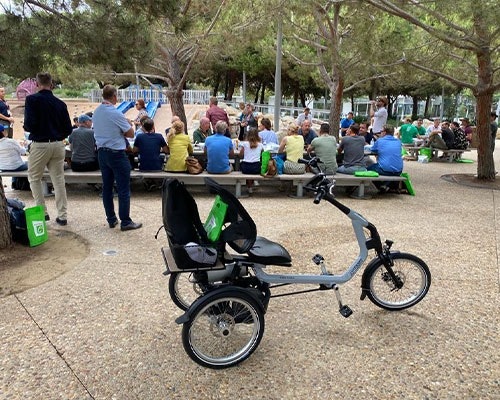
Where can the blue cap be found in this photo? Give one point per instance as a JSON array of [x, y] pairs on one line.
[[84, 118]]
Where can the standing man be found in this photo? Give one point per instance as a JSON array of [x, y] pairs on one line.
[[111, 130], [47, 120], [6, 118], [216, 114], [346, 123], [378, 112], [303, 116]]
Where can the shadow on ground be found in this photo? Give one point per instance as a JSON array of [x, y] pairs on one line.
[[472, 181]]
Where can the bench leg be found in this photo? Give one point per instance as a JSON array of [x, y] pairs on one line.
[[237, 190], [300, 189], [359, 193], [45, 187]]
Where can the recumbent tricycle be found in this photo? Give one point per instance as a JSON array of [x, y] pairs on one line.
[[225, 294]]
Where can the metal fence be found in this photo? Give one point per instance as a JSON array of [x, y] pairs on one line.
[[190, 96]]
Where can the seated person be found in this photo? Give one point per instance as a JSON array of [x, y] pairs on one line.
[[218, 149], [293, 146], [148, 146], [346, 123], [353, 147], [325, 148], [179, 147], [389, 160], [443, 140], [408, 132], [421, 131], [460, 139], [204, 131], [467, 128], [83, 148], [10, 154], [140, 129], [250, 152], [307, 132], [267, 135], [365, 132]]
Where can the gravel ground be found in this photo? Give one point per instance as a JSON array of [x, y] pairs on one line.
[[106, 329]]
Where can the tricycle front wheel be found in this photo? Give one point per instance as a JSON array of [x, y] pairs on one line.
[[414, 279]]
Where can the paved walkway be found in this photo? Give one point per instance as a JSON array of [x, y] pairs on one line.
[[106, 330]]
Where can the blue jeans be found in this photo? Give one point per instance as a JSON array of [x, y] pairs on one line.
[[376, 167], [115, 166]]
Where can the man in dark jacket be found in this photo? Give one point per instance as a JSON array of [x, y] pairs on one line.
[[47, 120]]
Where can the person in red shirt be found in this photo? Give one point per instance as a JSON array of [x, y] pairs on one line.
[[216, 114]]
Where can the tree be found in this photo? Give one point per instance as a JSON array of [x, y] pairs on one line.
[[5, 232], [468, 31]]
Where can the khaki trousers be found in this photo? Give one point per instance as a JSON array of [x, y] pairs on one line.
[[50, 155]]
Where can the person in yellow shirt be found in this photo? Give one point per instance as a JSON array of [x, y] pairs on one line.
[[179, 147]]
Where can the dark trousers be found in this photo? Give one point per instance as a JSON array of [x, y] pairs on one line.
[[115, 167]]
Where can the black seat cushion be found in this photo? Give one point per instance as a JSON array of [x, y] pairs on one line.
[[267, 252]]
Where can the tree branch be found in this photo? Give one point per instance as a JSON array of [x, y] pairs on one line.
[[442, 75], [354, 85]]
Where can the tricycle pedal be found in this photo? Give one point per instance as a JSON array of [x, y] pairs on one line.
[[345, 311]]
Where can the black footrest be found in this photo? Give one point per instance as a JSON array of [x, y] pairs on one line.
[[345, 311]]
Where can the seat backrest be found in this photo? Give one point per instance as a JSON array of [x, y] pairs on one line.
[[180, 214], [239, 230]]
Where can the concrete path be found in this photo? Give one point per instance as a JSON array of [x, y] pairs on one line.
[[106, 330]]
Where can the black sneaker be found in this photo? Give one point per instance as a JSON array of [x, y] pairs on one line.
[[113, 224], [47, 218], [131, 226], [62, 222]]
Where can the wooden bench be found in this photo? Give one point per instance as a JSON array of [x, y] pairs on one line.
[[453, 154], [236, 179]]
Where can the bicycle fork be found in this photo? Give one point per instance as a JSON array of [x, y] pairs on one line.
[[344, 309]]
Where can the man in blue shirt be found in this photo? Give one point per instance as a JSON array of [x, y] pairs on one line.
[[389, 160], [218, 149], [111, 130], [307, 132], [346, 123]]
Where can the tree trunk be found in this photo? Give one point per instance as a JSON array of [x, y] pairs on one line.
[[175, 98], [263, 93], [302, 98], [256, 99], [485, 162], [216, 85], [232, 78], [414, 111], [427, 103], [336, 106], [5, 232]]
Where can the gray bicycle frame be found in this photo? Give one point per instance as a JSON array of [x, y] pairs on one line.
[[358, 224]]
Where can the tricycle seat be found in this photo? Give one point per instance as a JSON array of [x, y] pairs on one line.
[[266, 252]]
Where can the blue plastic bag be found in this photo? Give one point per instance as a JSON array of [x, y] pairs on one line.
[[280, 163]]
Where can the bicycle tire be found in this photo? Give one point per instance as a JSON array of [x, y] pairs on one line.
[[381, 290], [184, 289], [225, 328]]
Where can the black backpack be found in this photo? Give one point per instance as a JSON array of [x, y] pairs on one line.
[[17, 218]]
